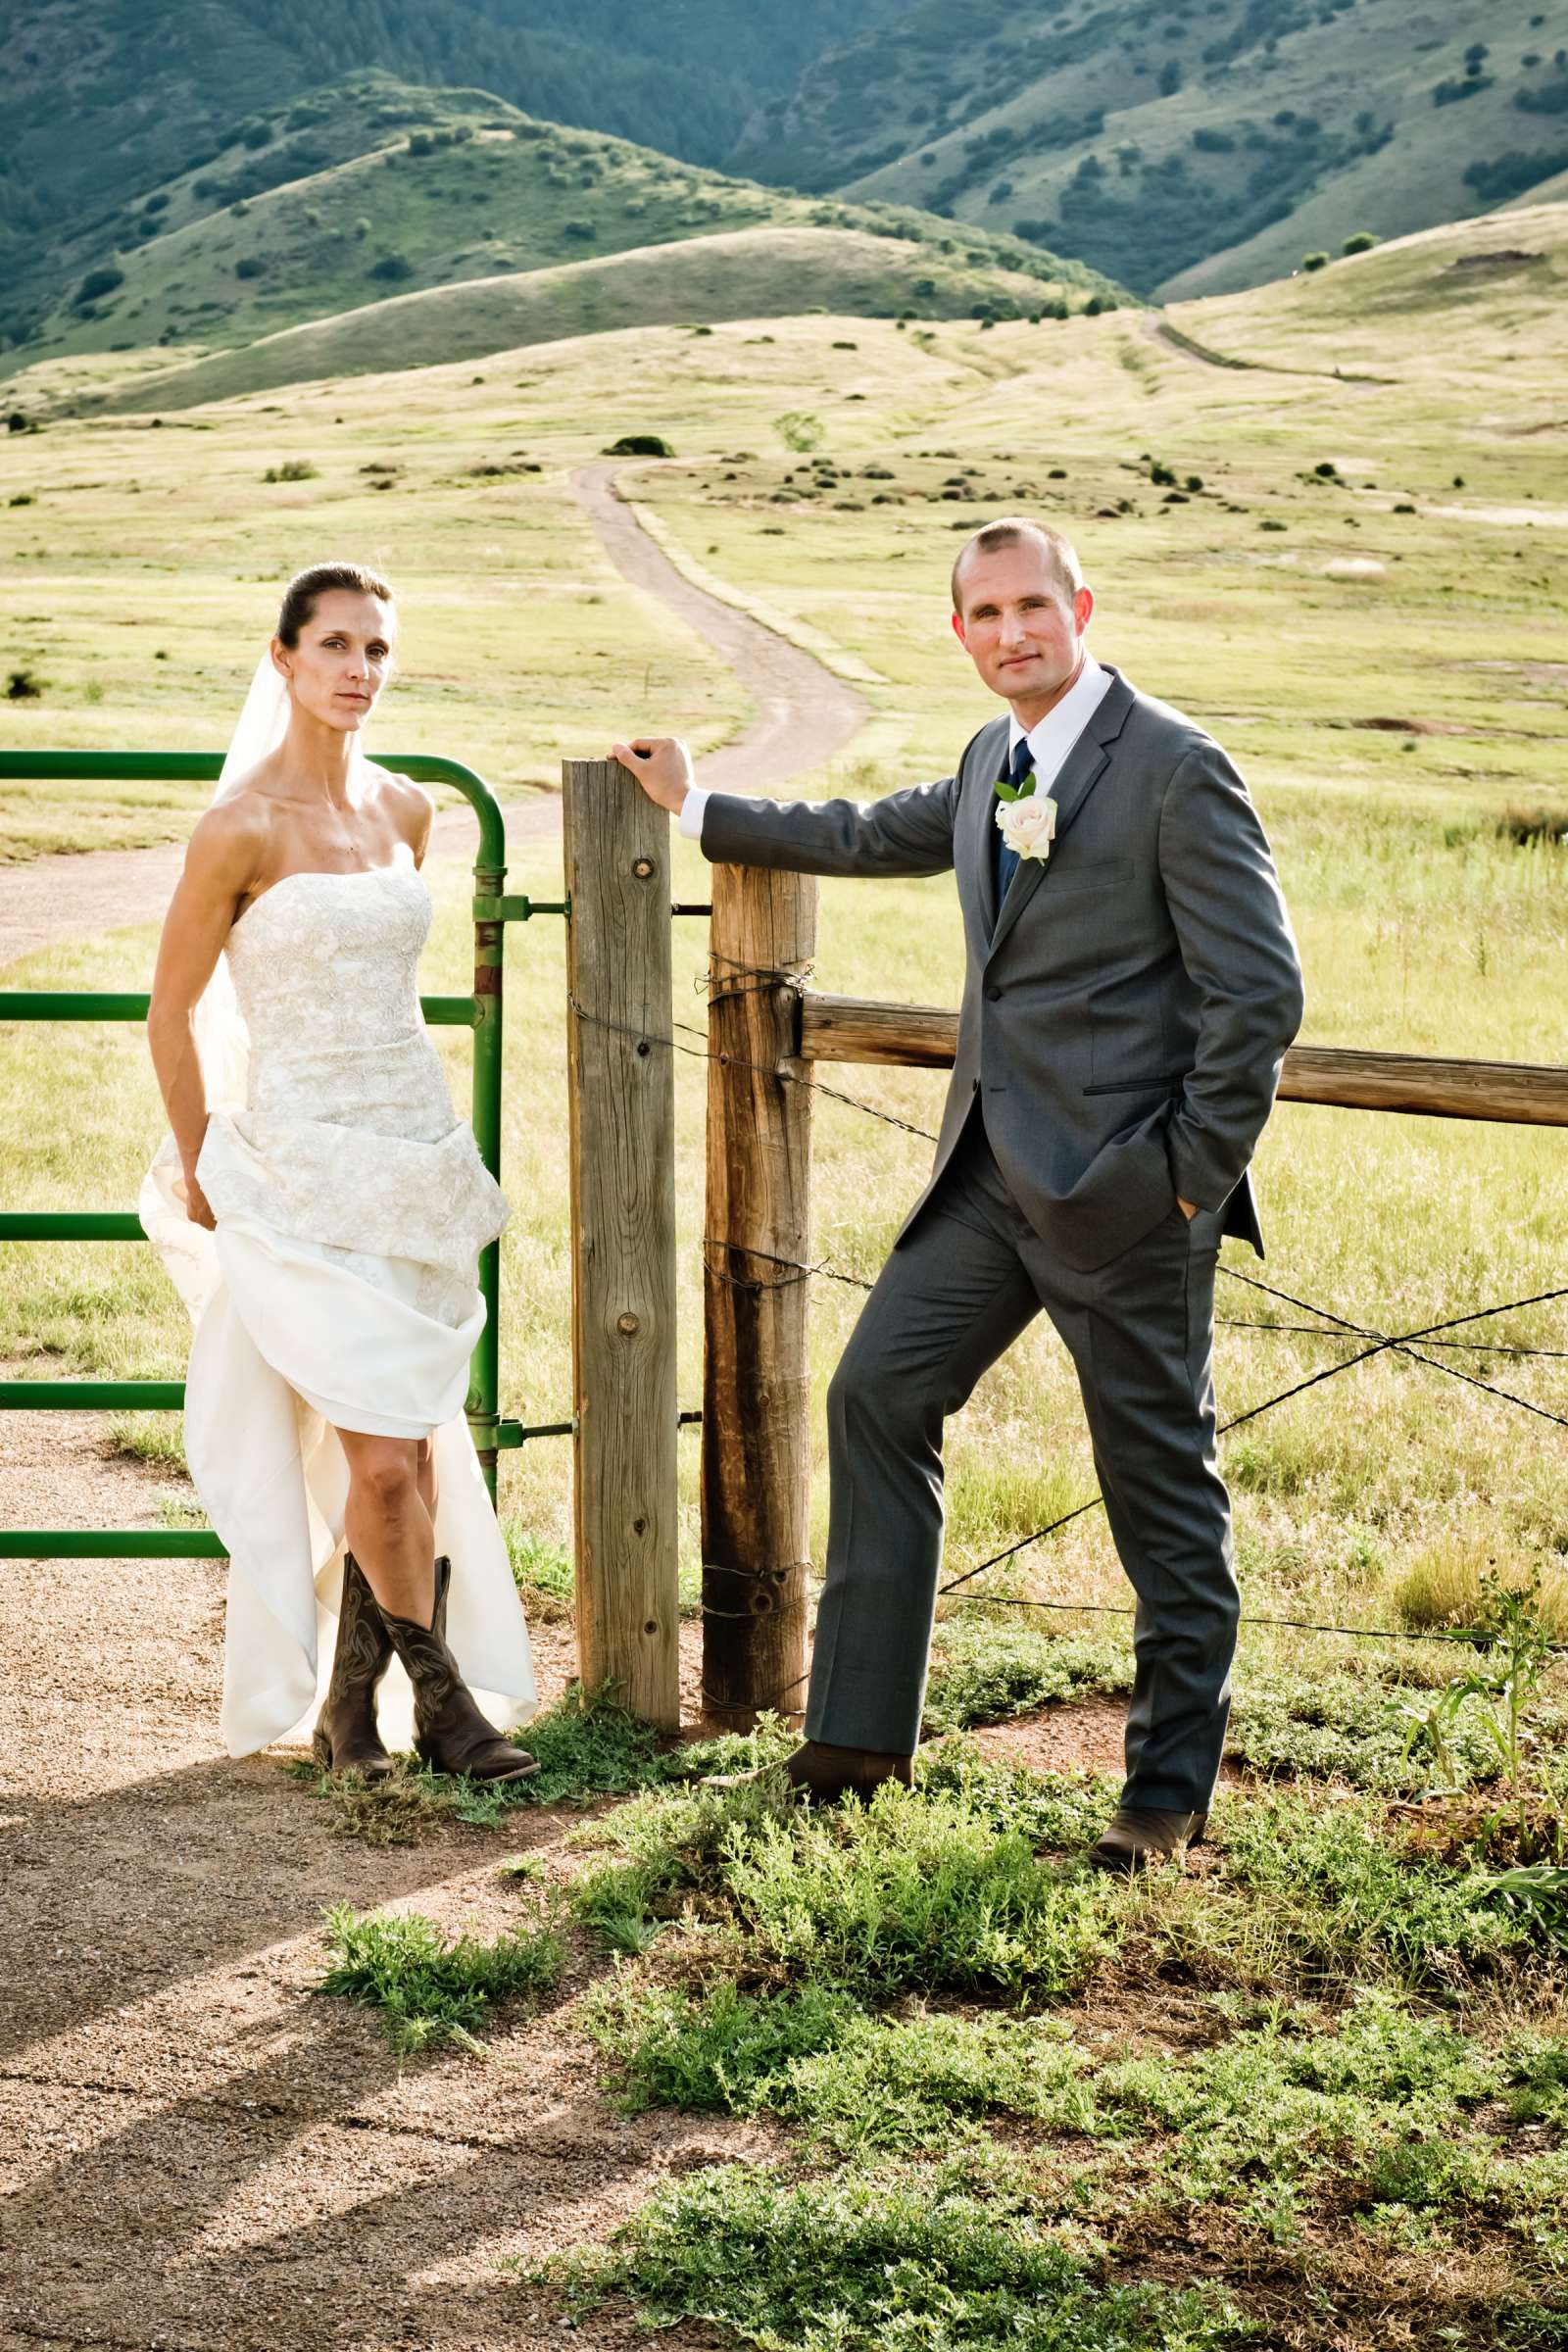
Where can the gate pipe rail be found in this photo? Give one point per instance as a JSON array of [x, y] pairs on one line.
[[481, 1011]]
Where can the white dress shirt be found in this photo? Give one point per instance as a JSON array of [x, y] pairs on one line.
[[1051, 739], [1053, 736]]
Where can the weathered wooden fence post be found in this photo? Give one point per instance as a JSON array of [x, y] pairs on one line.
[[621, 1089], [755, 1381]]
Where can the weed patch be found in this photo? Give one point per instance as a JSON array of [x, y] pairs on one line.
[[154, 1437], [1331, 1898], [866, 2261], [399, 1810], [985, 1672], [856, 2083], [428, 1988], [1374, 1735], [586, 1747], [1283, 2106], [920, 1888]]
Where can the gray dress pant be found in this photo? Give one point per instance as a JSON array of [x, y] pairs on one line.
[[969, 1277]]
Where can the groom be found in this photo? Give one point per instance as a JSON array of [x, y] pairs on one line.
[[1130, 988]]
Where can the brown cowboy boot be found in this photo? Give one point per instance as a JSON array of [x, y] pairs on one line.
[[1138, 1837], [346, 1735], [826, 1773], [450, 1734]]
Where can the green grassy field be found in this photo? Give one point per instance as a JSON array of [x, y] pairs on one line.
[[1317, 2087], [1389, 725], [756, 274]]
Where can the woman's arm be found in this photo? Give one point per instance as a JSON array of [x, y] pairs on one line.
[[220, 864]]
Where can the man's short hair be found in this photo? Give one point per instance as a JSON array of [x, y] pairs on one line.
[[1008, 531]]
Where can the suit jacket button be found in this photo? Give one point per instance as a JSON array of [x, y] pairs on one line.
[[992, 994]]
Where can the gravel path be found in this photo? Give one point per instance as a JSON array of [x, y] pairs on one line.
[[197, 2153]]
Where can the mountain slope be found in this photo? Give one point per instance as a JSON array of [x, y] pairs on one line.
[[1185, 145], [456, 187], [101, 101], [762, 273]]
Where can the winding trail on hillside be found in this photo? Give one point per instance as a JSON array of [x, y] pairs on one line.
[[804, 716], [1159, 329]]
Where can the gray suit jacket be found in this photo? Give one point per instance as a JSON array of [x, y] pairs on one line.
[[1126, 1012]]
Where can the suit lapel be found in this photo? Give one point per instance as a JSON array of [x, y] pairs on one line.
[[1076, 779]]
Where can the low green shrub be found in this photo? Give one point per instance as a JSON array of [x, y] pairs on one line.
[[1355, 1728], [927, 1888], [710, 2053], [865, 2261], [586, 1747], [855, 2082], [1333, 1898], [985, 1670], [428, 1988], [1288, 2105]]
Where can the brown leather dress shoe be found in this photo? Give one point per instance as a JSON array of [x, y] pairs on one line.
[[826, 1773], [1138, 1838]]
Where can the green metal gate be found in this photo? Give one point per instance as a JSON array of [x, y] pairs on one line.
[[481, 1012]]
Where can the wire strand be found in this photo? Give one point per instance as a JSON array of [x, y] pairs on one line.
[[754, 979]]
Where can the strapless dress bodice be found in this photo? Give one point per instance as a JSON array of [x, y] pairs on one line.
[[348, 1136]]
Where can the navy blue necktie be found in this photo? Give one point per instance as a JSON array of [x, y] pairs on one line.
[[1021, 766]]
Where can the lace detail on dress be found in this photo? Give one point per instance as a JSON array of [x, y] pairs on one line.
[[349, 1139]]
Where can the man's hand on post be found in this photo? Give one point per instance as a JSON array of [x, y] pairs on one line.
[[661, 765]]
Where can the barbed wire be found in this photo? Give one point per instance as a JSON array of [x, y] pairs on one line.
[[1314, 1331], [1480, 1315], [801, 1269], [739, 1061], [755, 979]]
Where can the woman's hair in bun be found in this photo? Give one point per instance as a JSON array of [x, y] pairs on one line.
[[299, 597]]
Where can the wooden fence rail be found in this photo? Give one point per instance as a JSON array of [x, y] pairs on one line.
[[925, 1037], [764, 1030], [756, 1419]]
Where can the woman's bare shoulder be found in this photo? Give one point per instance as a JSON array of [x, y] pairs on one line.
[[230, 837], [410, 807]]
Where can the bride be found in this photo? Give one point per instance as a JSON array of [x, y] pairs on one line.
[[322, 1210]]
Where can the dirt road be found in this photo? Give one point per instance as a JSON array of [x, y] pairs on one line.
[[805, 715]]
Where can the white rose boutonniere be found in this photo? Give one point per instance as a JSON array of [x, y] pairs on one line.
[[1028, 826]]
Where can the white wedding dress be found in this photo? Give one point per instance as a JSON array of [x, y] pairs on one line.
[[338, 1291]]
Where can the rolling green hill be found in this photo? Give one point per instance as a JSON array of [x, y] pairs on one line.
[[1189, 146], [103, 101], [1182, 147], [769, 271], [525, 224]]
